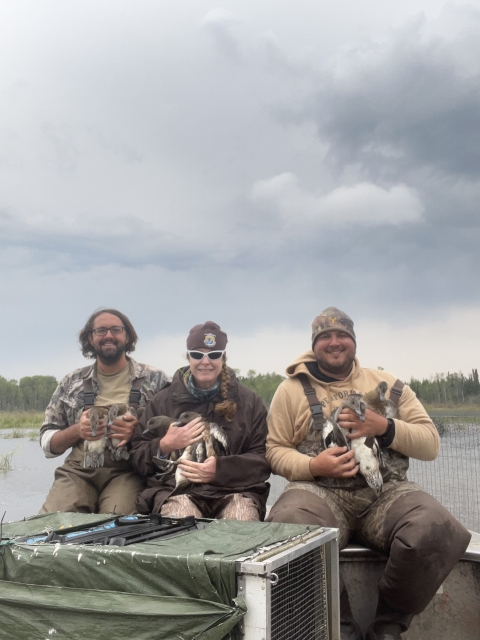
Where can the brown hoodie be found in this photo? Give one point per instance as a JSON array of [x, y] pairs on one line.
[[289, 421]]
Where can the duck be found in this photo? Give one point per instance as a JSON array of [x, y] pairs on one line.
[[116, 410], [213, 443], [368, 454], [377, 401], [94, 450]]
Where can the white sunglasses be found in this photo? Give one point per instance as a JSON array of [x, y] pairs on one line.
[[211, 355]]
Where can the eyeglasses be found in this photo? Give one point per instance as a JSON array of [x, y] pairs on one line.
[[211, 355], [102, 331]]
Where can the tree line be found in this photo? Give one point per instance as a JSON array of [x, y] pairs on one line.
[[33, 393], [453, 388]]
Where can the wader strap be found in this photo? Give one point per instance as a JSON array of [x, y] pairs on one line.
[[315, 406], [88, 392], [396, 392], [135, 395]]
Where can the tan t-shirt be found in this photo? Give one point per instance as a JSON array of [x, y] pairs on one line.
[[114, 387]]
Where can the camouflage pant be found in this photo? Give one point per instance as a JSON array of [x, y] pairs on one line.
[[422, 539], [232, 507]]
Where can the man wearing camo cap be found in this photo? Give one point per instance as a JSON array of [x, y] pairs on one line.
[[422, 539]]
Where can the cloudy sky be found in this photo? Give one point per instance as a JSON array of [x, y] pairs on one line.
[[246, 162]]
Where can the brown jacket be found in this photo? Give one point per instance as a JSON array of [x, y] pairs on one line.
[[244, 471], [290, 416]]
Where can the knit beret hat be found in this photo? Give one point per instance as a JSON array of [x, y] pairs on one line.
[[207, 336], [332, 319]]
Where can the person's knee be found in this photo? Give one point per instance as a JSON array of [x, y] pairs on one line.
[[302, 507], [239, 508], [423, 527]]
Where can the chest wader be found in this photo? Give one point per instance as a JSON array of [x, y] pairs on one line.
[[89, 393], [396, 463]]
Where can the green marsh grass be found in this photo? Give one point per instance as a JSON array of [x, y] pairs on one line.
[[15, 433], [6, 461], [21, 420]]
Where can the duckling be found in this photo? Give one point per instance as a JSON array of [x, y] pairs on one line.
[[213, 442], [94, 450], [116, 410], [367, 451], [376, 401]]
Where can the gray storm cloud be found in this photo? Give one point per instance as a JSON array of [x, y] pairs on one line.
[[202, 156]]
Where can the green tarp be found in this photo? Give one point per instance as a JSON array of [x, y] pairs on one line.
[[180, 588]]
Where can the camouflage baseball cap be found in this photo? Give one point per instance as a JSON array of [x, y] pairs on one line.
[[332, 319]]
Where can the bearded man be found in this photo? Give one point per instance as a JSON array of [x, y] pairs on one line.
[[114, 378], [422, 540]]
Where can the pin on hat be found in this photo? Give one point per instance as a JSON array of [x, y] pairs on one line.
[[207, 335]]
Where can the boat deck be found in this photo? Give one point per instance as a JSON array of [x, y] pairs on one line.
[[454, 612]]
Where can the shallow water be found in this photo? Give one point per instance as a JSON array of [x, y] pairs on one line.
[[24, 488], [453, 478]]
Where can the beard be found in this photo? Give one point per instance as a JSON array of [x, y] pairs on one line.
[[336, 368], [109, 354]]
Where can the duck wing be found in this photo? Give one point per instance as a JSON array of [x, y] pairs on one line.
[[198, 452], [372, 443], [333, 436], [219, 440]]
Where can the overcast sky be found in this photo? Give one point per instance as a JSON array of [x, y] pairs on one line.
[[247, 162]]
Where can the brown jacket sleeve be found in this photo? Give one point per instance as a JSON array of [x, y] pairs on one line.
[[249, 467]]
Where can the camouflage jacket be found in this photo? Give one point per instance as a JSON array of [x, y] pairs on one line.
[[67, 403]]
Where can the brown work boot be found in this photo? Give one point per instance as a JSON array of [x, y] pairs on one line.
[[350, 631], [389, 623]]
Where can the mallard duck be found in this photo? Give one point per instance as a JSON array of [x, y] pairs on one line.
[[213, 443]]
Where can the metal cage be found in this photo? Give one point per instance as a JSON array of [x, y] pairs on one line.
[[292, 590]]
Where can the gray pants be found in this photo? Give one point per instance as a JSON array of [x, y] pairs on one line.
[[422, 540]]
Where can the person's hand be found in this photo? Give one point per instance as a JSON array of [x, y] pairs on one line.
[[181, 437], [374, 425], [201, 472], [334, 462], [123, 428], [85, 429]]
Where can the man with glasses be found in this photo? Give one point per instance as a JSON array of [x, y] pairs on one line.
[[113, 379]]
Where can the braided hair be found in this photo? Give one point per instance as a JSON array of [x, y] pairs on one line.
[[227, 408]]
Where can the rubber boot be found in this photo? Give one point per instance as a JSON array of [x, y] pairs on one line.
[[389, 624], [349, 629]]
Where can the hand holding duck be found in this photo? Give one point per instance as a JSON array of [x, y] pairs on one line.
[[373, 425], [199, 472]]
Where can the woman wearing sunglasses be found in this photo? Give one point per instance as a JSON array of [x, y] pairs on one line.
[[232, 486]]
